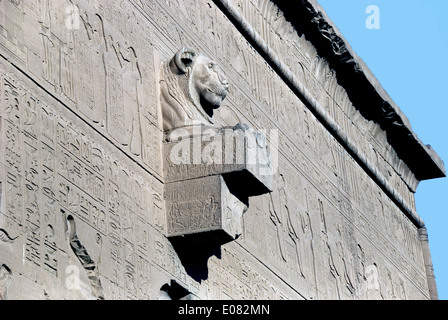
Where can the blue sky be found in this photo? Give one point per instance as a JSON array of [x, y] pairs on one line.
[[408, 54]]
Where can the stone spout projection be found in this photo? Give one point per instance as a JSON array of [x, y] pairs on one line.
[[210, 172]]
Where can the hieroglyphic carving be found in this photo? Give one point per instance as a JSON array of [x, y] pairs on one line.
[[90, 59], [60, 165], [272, 26], [345, 263], [195, 205], [69, 47], [317, 72], [238, 276], [133, 98], [325, 204], [11, 25]]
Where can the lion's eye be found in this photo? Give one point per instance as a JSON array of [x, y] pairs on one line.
[[211, 65]]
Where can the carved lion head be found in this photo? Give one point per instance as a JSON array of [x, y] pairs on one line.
[[192, 87]]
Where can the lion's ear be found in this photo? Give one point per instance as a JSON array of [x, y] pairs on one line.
[[183, 59]]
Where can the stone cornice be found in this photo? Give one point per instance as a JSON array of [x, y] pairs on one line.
[[376, 105], [364, 90]]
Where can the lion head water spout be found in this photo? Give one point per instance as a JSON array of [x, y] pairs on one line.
[[192, 87]]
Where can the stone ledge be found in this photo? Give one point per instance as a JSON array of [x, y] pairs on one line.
[[212, 151]]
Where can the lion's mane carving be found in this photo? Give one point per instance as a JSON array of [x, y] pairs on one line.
[[192, 87]]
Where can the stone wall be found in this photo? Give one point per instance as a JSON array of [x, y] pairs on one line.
[[81, 171]]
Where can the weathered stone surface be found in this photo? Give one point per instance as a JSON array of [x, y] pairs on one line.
[[226, 150], [85, 166], [203, 205], [197, 157], [192, 86]]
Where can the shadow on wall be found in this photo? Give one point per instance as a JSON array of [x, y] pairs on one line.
[[84, 258], [195, 250], [174, 291]]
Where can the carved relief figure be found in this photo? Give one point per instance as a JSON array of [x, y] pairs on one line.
[[374, 288], [345, 265], [192, 87], [360, 274], [176, 218], [5, 280], [278, 208], [333, 276], [132, 81], [307, 247], [300, 231]]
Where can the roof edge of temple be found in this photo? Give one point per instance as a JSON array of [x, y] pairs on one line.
[[365, 91]]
